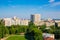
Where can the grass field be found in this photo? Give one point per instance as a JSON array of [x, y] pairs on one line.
[[16, 37]]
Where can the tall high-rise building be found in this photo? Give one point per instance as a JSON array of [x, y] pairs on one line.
[[36, 18]]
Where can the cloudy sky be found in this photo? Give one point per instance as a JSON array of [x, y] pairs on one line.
[[24, 8]]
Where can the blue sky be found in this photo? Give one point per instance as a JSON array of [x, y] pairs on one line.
[[24, 8]]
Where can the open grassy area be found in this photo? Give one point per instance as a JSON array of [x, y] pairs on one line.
[[16, 37]]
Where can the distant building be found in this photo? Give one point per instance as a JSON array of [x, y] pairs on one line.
[[36, 18], [7, 21], [24, 22], [15, 21], [49, 22], [57, 23]]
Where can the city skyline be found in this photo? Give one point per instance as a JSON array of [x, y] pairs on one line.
[[24, 8]]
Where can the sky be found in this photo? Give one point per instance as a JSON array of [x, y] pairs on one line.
[[24, 8]]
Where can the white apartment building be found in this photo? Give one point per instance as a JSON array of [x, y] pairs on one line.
[[15, 21], [8, 21]]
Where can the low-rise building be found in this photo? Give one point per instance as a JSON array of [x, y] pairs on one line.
[[57, 23], [39, 23], [24, 22], [50, 24], [47, 36]]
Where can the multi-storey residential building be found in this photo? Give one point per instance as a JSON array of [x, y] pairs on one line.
[[8, 21], [15, 21], [24, 22], [36, 18]]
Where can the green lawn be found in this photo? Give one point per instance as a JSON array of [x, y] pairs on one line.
[[16, 37]]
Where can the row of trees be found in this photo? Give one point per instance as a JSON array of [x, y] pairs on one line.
[[14, 29]]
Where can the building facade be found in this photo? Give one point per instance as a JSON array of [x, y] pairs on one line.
[[7, 21], [15, 21], [36, 18]]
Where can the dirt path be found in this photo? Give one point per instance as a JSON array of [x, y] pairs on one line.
[[5, 38], [9, 36]]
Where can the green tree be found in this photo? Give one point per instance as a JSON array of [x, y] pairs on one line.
[[31, 24], [12, 30], [53, 28], [2, 31], [6, 31], [57, 34], [33, 33], [37, 34], [43, 27]]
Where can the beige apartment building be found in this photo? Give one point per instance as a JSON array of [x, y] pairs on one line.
[[50, 24], [58, 22], [24, 22], [36, 18]]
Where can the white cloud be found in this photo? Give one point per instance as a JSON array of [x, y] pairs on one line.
[[55, 4], [43, 6], [51, 5], [51, 1]]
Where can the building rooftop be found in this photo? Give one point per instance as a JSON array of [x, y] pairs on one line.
[[48, 35]]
